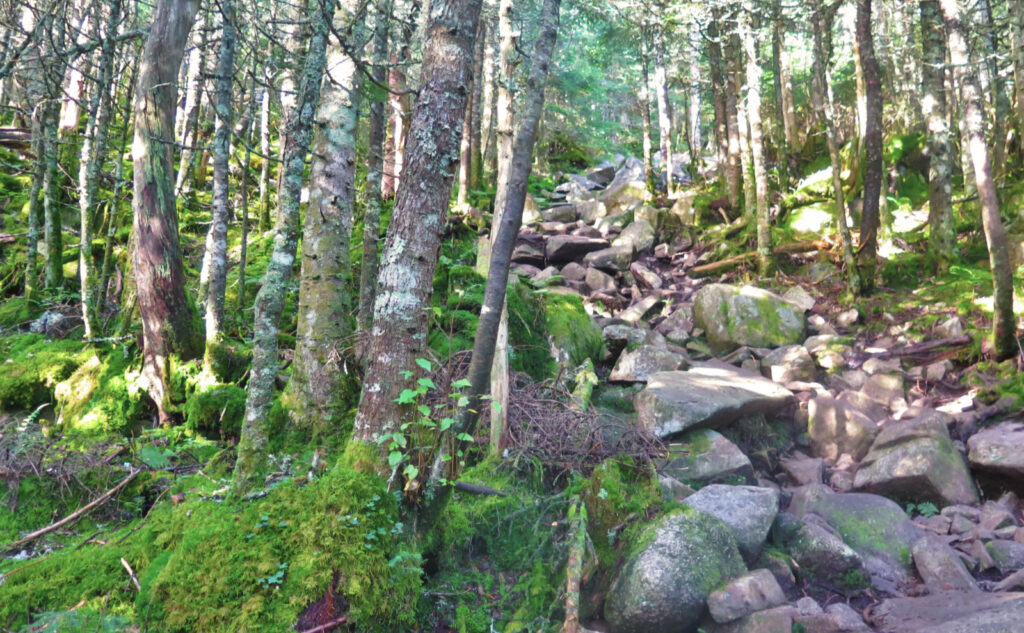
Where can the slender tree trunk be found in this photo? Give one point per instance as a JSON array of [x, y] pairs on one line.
[[374, 173], [399, 330], [168, 317], [661, 93], [735, 53], [264, 205], [491, 108], [998, 95], [645, 110], [941, 236], [1017, 53], [94, 153], [868, 253], [734, 171], [1004, 328], [400, 103], [35, 204], [693, 102], [114, 207], [215, 258], [717, 70], [52, 224], [476, 160], [317, 392], [780, 133], [465, 150], [243, 193], [270, 299], [821, 92], [189, 133], [750, 44]]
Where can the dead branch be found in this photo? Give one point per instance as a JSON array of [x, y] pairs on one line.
[[329, 625], [475, 489], [574, 567], [131, 574], [77, 514], [725, 265]]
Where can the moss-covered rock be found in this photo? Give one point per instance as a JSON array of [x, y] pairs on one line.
[[733, 316], [675, 565], [571, 329], [216, 409], [105, 394], [33, 366]]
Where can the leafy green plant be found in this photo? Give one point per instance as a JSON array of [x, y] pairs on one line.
[[925, 509]]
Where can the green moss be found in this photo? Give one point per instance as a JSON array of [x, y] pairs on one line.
[[37, 503], [571, 328], [216, 409], [105, 394], [17, 311], [33, 367], [615, 496]]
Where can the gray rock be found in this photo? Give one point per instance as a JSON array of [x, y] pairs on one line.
[[705, 457], [672, 489], [886, 390], [565, 248], [563, 213], [624, 196], [950, 328], [788, 364], [549, 276], [745, 595], [619, 336], [638, 310], [848, 318], [1008, 556], [682, 208], [819, 552], [734, 316], [645, 276], [602, 174], [799, 297], [638, 235], [637, 365], [664, 585], [574, 272], [747, 510], [848, 620], [804, 470], [590, 211], [951, 612], [709, 395], [881, 366], [613, 258], [939, 566], [915, 459], [835, 428], [777, 620], [999, 449], [599, 281], [528, 254]]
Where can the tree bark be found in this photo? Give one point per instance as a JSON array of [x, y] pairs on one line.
[[401, 104], [189, 133], [374, 173], [693, 102], [317, 392], [661, 94], [868, 253], [941, 235], [645, 109], [168, 317], [1017, 54], [215, 258], [270, 299], [1004, 328], [399, 330], [476, 160], [717, 71], [781, 133], [264, 204], [734, 170]]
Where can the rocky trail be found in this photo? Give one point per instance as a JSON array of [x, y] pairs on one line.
[[845, 476]]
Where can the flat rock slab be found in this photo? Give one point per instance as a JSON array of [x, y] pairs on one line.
[[747, 510], [745, 595], [999, 449], [710, 395], [639, 364], [565, 248], [952, 612], [704, 457]]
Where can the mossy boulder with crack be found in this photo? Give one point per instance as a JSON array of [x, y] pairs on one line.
[[733, 316], [105, 394], [571, 329]]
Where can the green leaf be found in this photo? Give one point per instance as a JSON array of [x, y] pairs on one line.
[[426, 383], [465, 437], [461, 384], [424, 363], [411, 472], [405, 374], [394, 458], [408, 396], [424, 410], [496, 406], [446, 424], [155, 457]]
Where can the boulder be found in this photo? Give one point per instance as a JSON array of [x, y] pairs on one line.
[[1008, 556], [565, 248], [639, 310], [835, 428], [531, 213], [603, 174], [709, 395], [999, 449], [777, 620], [599, 281], [819, 552], [529, 254], [885, 390], [637, 365], [747, 510], [788, 364], [590, 211], [745, 595], [562, 213], [915, 459], [665, 582], [939, 566], [638, 235], [803, 470], [614, 258], [733, 316], [951, 612], [574, 272], [621, 197], [645, 276], [799, 298], [619, 336], [705, 457], [682, 208]]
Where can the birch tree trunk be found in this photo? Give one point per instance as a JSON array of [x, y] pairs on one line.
[[317, 392], [168, 318], [661, 93], [252, 444], [941, 233], [264, 204], [645, 110], [1017, 54], [194, 83], [399, 330], [1004, 327], [753, 68], [781, 134], [215, 257], [734, 172], [374, 173], [717, 72]]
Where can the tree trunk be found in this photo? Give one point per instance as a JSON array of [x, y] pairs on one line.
[[168, 317], [189, 133], [998, 93], [645, 110], [750, 45], [868, 253], [1004, 328], [821, 91], [252, 454], [215, 258], [1017, 53], [52, 224], [94, 153], [717, 70], [661, 93], [264, 205], [734, 170], [476, 161], [399, 330], [779, 80], [35, 204], [941, 235], [693, 102], [401, 104], [374, 175]]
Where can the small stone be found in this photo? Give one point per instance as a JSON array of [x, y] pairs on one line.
[[950, 328], [574, 272], [1008, 556], [799, 297], [938, 371], [849, 621], [637, 365], [599, 281], [939, 566], [614, 258], [808, 606], [874, 366], [817, 323], [788, 364], [639, 310], [848, 318], [645, 275], [745, 595], [663, 251], [836, 428]]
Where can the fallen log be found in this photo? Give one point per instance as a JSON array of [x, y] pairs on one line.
[[574, 567], [19, 138], [725, 265]]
